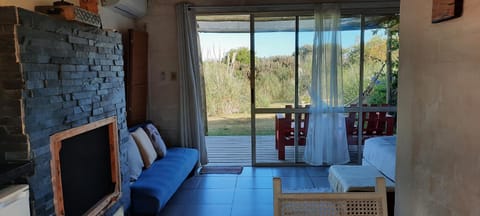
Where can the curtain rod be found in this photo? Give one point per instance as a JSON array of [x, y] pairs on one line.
[[388, 6]]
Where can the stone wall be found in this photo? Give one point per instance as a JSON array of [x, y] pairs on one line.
[[61, 75], [13, 142]]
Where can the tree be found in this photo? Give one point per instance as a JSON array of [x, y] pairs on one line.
[[238, 60], [391, 24]]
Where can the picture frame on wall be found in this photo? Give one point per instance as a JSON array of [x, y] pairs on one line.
[[443, 10]]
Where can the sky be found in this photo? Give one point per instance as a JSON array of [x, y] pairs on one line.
[[215, 45]]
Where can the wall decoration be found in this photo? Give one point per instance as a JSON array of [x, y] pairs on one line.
[[446, 9]]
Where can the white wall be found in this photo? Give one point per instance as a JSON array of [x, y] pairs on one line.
[[438, 161], [110, 19]]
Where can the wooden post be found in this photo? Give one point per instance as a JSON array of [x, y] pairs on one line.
[[389, 68]]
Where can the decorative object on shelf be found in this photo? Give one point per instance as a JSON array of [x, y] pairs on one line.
[[446, 9], [81, 15], [70, 12], [62, 3], [90, 5]]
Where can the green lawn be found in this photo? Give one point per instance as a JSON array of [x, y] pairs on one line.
[[239, 124]]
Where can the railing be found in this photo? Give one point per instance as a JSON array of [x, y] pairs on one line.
[[374, 123]]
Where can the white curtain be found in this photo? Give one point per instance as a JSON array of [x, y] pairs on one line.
[[192, 130], [326, 138]]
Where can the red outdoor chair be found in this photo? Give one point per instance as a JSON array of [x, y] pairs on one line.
[[285, 131], [374, 124]]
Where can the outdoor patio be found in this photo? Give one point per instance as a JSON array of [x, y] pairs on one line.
[[236, 150]]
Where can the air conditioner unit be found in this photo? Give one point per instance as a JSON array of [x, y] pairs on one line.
[[130, 8]]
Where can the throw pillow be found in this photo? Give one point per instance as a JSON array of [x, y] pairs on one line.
[[135, 163], [156, 139], [145, 146]]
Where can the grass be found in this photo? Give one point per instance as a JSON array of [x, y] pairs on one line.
[[239, 125]]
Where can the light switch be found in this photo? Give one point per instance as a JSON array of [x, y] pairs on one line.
[[162, 75]]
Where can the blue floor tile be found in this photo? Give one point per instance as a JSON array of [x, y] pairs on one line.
[[197, 210], [256, 171], [320, 182], [217, 182], [292, 183], [253, 196], [252, 210], [256, 182], [203, 196], [249, 193], [289, 171], [317, 171]]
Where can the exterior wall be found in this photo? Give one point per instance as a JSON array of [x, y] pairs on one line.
[[439, 96], [110, 19], [63, 75]]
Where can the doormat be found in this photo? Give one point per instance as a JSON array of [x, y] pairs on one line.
[[221, 170]]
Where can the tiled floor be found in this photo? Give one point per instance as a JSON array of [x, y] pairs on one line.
[[249, 193]]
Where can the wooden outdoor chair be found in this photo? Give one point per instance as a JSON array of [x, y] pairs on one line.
[[374, 124], [330, 204], [285, 131]]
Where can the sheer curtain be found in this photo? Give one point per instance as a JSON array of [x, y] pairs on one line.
[[326, 138], [192, 133]]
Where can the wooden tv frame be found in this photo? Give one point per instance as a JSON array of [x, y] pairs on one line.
[[55, 147]]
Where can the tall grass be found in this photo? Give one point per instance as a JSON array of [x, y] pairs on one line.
[[227, 81], [225, 93]]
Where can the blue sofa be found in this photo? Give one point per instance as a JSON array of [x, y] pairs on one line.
[[157, 184]]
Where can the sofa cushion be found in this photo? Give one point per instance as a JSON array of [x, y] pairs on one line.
[[156, 185], [135, 163], [145, 146], [156, 139]]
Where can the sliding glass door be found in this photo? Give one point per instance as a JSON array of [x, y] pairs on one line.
[[283, 47], [277, 65]]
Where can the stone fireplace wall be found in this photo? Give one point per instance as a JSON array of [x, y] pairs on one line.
[[13, 141], [56, 75]]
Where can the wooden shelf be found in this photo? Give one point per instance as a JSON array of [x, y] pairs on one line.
[[72, 13]]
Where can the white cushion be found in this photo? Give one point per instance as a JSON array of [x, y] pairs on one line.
[[145, 146]]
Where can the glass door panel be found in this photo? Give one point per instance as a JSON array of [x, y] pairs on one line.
[[283, 47], [351, 33], [305, 53], [265, 150], [380, 73], [380, 78], [275, 138], [375, 70], [225, 48], [275, 84], [274, 61]]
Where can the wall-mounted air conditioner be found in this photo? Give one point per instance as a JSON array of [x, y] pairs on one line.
[[129, 8]]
